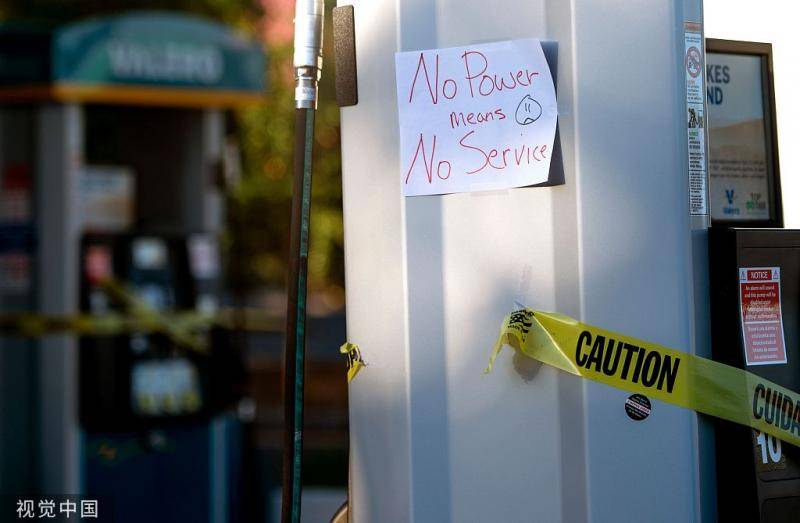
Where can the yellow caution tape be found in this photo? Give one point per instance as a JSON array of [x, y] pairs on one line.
[[180, 327], [354, 360], [176, 331], [642, 367], [32, 325]]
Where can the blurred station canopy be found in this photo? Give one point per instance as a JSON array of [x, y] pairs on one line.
[[150, 57]]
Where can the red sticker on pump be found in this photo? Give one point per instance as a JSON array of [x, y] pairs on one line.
[[98, 264]]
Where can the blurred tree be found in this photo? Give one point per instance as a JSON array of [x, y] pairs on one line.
[[261, 211], [237, 12], [259, 208]]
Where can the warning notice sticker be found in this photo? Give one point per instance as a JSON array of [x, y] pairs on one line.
[[762, 320], [695, 120]]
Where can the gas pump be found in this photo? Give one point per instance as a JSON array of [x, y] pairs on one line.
[[754, 268], [615, 243], [114, 131]]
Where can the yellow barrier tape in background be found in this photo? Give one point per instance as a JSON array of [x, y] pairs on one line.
[[354, 360], [184, 325], [179, 326], [642, 367]]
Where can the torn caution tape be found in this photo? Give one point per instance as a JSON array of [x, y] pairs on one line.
[[642, 367], [354, 360]]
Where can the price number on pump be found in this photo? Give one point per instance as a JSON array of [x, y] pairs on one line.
[[770, 448]]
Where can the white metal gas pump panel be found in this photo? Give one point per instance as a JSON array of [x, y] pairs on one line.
[[430, 278]]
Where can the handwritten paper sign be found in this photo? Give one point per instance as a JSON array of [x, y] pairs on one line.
[[480, 117]]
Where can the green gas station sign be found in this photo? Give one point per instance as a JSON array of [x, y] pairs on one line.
[[157, 49], [137, 56]]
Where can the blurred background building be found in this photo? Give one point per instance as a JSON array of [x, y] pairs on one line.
[[145, 158]]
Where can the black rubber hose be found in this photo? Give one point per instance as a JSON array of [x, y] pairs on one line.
[[294, 354]]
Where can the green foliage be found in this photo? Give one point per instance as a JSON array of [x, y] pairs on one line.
[[260, 207]]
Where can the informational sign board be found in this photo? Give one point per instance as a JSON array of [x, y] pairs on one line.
[[741, 149], [107, 198], [479, 117], [762, 319]]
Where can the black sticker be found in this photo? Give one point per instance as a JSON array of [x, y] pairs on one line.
[[637, 407]]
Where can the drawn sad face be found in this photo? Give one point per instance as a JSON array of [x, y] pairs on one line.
[[528, 111]]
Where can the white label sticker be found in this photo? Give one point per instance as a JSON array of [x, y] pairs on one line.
[[693, 63]]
